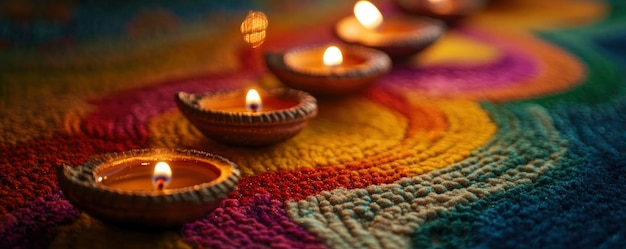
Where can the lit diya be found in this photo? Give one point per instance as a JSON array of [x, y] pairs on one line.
[[448, 10], [326, 70], [398, 35], [248, 118], [150, 188]]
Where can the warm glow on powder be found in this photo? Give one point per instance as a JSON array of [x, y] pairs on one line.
[[368, 15], [333, 56], [162, 175], [253, 101]]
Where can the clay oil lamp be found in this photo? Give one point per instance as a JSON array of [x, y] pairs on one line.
[[400, 36], [249, 118], [150, 188], [447, 10], [324, 70]]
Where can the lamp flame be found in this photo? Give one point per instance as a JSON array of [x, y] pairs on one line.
[[368, 15], [253, 101], [162, 175], [333, 56]]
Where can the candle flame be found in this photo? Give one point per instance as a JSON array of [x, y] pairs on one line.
[[253, 28], [253, 101], [162, 175], [368, 15], [333, 56]]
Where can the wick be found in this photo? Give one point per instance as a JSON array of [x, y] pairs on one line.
[[254, 108], [160, 183]]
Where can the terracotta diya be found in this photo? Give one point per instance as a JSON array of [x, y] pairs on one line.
[[400, 36], [150, 188], [326, 70], [248, 118], [448, 10]]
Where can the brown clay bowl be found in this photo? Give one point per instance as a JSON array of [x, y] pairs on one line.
[[285, 113], [449, 11], [86, 187], [300, 68], [400, 36]]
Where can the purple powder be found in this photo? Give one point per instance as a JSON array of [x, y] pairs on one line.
[[511, 68], [254, 222], [34, 225], [126, 115]]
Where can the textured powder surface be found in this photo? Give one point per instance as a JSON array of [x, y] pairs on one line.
[[509, 132]]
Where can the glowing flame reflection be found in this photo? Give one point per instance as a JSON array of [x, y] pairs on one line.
[[253, 28]]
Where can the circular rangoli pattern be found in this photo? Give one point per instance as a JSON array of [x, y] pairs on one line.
[[377, 169]]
